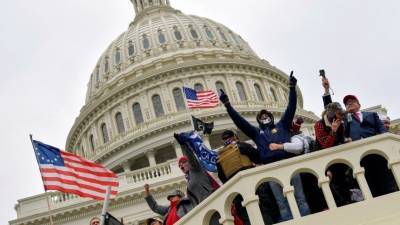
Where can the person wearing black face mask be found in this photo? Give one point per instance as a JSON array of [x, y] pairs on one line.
[[267, 132]]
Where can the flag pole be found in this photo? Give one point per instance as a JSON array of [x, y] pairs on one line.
[[47, 195], [105, 206]]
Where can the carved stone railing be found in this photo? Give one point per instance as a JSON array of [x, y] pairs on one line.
[[383, 210], [146, 175]]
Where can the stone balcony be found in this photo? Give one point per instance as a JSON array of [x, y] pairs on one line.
[[159, 175], [382, 210]]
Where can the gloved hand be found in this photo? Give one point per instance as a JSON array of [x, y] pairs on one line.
[[223, 97], [292, 80], [178, 139]]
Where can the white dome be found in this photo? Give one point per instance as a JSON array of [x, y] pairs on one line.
[[135, 102], [159, 32]]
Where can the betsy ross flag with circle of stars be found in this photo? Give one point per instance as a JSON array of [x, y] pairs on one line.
[[70, 173]]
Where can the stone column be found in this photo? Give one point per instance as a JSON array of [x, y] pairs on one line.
[[253, 209], [112, 128], [362, 182], [150, 156], [395, 167], [289, 193], [324, 184], [128, 115], [178, 149], [126, 166], [206, 141]]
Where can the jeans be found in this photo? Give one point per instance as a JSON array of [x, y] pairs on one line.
[[282, 202]]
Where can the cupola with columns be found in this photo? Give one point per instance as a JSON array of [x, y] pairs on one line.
[[142, 5]]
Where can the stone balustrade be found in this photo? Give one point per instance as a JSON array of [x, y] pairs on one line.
[[383, 210], [151, 173]]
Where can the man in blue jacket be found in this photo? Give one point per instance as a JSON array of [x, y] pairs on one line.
[[268, 132]]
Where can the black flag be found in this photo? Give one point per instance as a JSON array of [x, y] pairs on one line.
[[110, 220], [202, 126]]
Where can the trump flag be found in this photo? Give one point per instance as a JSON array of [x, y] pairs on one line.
[[70, 173]]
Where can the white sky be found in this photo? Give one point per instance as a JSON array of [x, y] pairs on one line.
[[49, 48]]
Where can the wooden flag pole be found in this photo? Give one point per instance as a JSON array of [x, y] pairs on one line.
[[47, 195], [105, 205]]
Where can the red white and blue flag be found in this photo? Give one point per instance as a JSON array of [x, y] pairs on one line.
[[200, 99], [70, 173]]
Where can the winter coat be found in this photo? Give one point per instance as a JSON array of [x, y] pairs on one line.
[[279, 134], [199, 185], [183, 207]]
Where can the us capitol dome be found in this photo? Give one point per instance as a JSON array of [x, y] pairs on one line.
[[134, 104]]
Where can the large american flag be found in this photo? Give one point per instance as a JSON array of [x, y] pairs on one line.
[[70, 173], [200, 99]]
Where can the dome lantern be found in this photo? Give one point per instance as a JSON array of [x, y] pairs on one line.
[[141, 5]]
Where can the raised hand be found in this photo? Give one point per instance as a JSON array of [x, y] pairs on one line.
[[326, 85], [292, 80], [335, 124], [147, 189], [223, 97]]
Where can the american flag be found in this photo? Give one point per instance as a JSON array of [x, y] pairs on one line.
[[200, 99], [70, 173]]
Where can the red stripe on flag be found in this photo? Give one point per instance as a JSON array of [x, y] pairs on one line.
[[107, 181]]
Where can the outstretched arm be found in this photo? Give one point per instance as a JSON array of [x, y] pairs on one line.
[[151, 202], [326, 98], [288, 116], [186, 149], [248, 129]]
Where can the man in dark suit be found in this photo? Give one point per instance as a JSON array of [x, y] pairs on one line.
[[364, 124]]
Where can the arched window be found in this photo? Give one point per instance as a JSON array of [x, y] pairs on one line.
[[241, 92], [137, 113], [157, 105], [131, 48], [178, 97], [259, 94], [193, 32], [106, 65], [117, 57], [104, 133], [91, 141], [273, 94], [146, 42], [120, 123], [177, 33], [210, 35], [161, 37], [222, 34], [198, 87], [219, 85]]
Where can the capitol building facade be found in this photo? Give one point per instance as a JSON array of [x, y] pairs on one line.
[[134, 105]]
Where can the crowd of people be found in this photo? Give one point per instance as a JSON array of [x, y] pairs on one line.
[[276, 141]]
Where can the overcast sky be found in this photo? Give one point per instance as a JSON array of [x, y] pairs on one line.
[[48, 49]]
